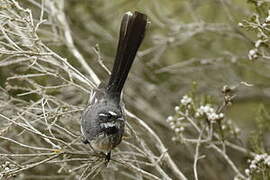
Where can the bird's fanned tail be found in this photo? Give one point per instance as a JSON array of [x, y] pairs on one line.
[[132, 32]]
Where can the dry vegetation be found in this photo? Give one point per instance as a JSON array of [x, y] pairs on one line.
[[197, 97]]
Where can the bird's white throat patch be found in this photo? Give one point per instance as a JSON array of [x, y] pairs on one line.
[[107, 125]]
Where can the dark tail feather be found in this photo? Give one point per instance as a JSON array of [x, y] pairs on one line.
[[131, 35]]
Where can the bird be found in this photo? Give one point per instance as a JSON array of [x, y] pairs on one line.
[[103, 120]]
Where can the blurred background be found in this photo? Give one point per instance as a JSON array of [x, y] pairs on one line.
[[201, 44]]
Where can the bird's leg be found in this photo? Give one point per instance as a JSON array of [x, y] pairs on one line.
[[108, 157], [85, 141]]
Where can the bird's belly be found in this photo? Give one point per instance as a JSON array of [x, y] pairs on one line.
[[104, 143]]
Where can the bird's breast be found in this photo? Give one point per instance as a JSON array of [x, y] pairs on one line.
[[105, 142]]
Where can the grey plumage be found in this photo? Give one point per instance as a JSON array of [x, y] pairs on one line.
[[103, 122]]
